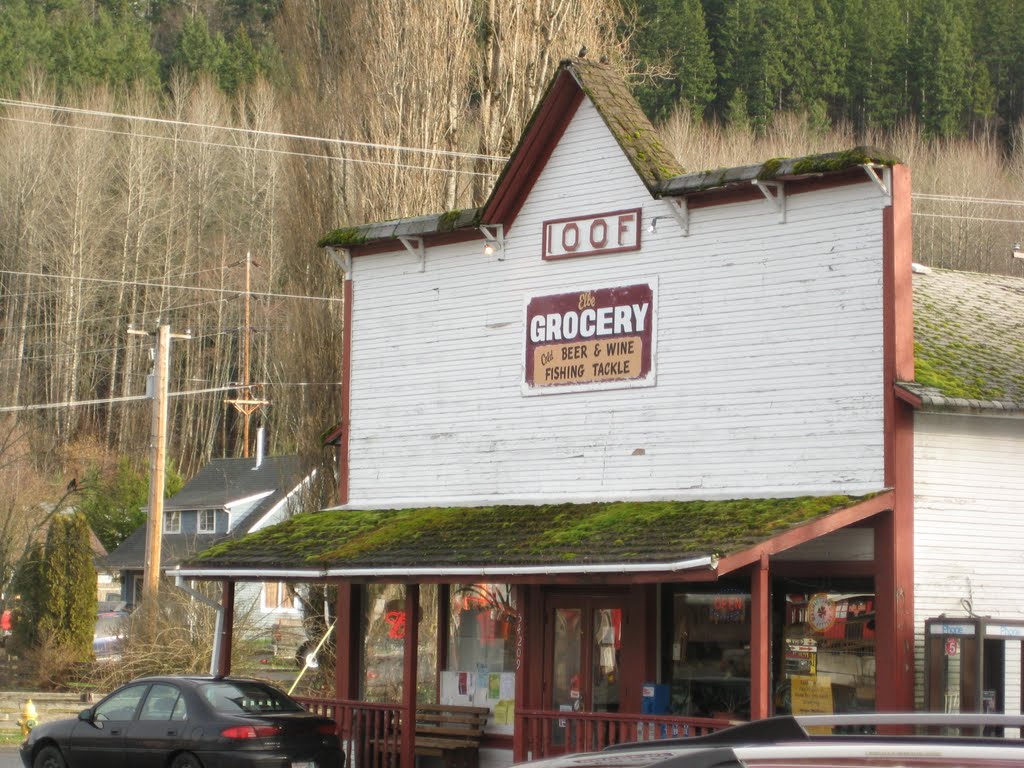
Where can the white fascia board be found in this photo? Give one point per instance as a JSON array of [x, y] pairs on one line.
[[706, 562], [592, 498], [264, 521], [247, 500]]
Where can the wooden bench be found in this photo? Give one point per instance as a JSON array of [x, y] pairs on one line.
[[449, 732]]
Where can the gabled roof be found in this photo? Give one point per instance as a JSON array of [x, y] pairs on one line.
[[611, 97], [968, 341], [619, 537], [225, 481], [216, 486], [662, 174]]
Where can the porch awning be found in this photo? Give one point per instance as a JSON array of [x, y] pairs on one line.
[[616, 538]]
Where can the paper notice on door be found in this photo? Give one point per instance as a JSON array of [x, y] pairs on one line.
[[508, 685]]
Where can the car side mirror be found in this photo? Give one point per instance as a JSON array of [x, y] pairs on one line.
[[85, 715]]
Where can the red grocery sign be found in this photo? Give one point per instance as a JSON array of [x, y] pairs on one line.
[[591, 338]]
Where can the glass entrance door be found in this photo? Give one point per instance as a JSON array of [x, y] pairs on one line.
[[583, 665]]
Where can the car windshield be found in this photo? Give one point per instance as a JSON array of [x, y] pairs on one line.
[[234, 697]]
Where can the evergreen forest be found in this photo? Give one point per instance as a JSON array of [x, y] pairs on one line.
[[148, 146]]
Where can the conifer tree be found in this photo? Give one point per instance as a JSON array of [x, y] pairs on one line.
[[941, 66], [674, 32], [68, 615]]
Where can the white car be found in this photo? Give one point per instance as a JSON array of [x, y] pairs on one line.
[[786, 742]]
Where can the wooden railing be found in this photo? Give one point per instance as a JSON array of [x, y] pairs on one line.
[[371, 733], [541, 733]]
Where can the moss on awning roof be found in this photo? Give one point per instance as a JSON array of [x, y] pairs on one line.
[[556, 534]]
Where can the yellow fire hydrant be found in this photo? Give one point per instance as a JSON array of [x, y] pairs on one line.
[[29, 718]]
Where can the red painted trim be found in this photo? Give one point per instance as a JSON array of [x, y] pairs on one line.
[[444, 623], [745, 191], [535, 148], [908, 397], [347, 642], [409, 672], [391, 244], [903, 277], [894, 535], [346, 395], [808, 532], [760, 641], [227, 628], [545, 242]]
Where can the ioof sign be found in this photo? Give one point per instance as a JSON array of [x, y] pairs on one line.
[[592, 338], [611, 232]]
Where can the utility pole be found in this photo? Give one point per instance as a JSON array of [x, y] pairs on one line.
[[157, 466], [245, 403]]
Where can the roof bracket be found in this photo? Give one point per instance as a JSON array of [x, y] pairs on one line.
[[343, 258], [494, 239], [681, 211], [414, 245], [777, 197], [884, 182]]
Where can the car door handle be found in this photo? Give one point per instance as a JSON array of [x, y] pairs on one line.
[[172, 732], [115, 731]]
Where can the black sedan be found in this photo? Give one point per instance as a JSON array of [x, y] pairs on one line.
[[188, 722]]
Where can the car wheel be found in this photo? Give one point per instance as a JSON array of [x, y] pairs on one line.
[[186, 760], [49, 757]]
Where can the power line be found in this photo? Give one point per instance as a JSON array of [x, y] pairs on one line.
[[269, 150], [967, 218], [142, 284], [965, 199], [251, 131], [133, 398]]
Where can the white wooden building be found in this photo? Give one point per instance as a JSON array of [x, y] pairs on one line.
[[665, 428]]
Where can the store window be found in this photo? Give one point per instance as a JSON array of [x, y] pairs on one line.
[[828, 653], [384, 627], [481, 651], [708, 665]]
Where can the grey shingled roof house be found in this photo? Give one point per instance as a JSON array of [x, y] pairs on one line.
[[226, 499]]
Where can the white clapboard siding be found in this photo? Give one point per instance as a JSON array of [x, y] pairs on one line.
[[968, 523], [768, 353]]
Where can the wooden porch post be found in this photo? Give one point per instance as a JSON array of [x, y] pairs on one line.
[[444, 610], [760, 641], [409, 675], [347, 609], [227, 628], [523, 597]]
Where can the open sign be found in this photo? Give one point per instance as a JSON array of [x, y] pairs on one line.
[[589, 235]]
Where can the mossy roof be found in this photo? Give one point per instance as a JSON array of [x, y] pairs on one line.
[[777, 169], [968, 340], [621, 112], [654, 163], [615, 533]]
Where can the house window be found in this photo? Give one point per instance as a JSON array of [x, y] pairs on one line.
[[172, 522], [207, 521], [277, 597]]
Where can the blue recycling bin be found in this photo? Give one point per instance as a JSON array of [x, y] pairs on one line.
[[656, 697]]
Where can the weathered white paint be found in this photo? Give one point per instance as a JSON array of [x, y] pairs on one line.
[[769, 353], [968, 526]]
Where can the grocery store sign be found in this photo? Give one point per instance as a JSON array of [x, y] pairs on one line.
[[594, 338]]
